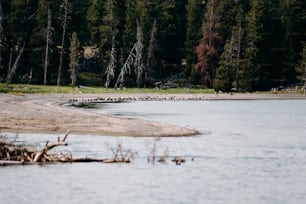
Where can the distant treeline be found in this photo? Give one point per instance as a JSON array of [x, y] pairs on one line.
[[242, 45]]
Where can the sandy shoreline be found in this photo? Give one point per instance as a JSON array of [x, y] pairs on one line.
[[44, 113]]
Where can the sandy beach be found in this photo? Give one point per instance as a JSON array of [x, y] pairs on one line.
[[45, 113]]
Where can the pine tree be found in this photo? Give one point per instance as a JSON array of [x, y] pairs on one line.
[[251, 63], [94, 18], [230, 60], [130, 26], [225, 73], [292, 14], [194, 14], [206, 50], [147, 13], [109, 25]]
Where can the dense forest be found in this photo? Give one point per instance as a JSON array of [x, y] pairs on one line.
[[242, 45]]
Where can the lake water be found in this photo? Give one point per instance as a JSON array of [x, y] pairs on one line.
[[249, 152]]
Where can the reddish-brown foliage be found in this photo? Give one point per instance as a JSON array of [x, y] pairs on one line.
[[206, 50]]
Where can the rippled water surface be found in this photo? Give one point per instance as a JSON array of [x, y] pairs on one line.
[[248, 152]]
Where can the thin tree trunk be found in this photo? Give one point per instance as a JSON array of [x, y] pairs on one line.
[[110, 70], [12, 69], [126, 68], [1, 35], [150, 59], [10, 59], [48, 39], [59, 74], [139, 68], [238, 57]]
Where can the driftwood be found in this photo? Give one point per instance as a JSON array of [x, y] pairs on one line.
[[11, 154], [178, 160]]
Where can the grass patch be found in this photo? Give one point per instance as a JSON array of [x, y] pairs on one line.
[[32, 89], [26, 88]]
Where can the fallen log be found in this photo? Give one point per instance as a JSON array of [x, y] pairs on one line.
[[11, 154], [40, 154], [10, 163]]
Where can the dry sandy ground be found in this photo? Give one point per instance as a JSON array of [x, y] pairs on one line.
[[44, 113]]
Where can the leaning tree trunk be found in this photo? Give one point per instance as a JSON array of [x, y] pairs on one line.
[[12, 69], [126, 68], [110, 70]]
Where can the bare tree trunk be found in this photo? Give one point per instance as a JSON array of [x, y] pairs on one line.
[[12, 69], [40, 154], [48, 40], [139, 67], [10, 59], [126, 68], [1, 35], [74, 58], [134, 58], [239, 36], [64, 25], [110, 70], [152, 47]]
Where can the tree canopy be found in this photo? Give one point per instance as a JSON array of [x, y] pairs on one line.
[[245, 45]]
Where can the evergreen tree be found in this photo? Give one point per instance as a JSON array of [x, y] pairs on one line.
[[293, 20], [40, 41], [148, 14], [78, 21], [258, 52], [225, 73], [251, 63], [206, 49], [94, 18], [230, 60], [194, 14], [109, 26], [130, 27]]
